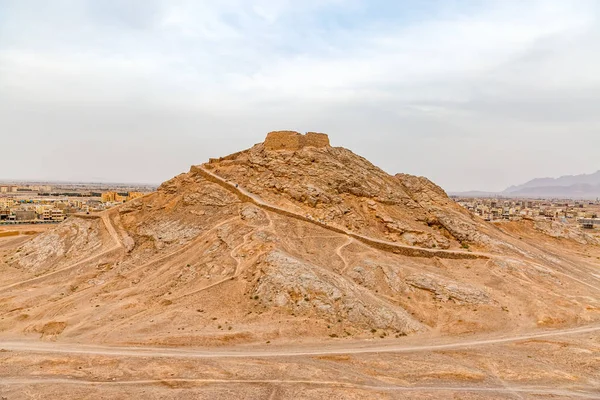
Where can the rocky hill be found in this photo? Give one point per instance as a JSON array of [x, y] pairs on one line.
[[291, 239]]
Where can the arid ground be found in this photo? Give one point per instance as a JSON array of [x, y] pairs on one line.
[[303, 273]]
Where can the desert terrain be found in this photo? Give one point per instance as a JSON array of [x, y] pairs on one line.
[[12, 236], [295, 269]]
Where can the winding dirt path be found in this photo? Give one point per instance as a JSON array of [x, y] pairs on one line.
[[237, 272], [338, 251], [380, 244]]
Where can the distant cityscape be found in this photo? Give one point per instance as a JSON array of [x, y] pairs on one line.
[[582, 212], [43, 202]]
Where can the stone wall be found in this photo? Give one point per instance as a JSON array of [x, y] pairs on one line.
[[378, 244], [283, 140], [291, 140], [315, 139]]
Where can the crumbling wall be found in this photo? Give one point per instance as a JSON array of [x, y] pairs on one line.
[[291, 140], [378, 244], [283, 140], [315, 139]]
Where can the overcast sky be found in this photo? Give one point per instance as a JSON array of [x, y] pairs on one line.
[[471, 94]]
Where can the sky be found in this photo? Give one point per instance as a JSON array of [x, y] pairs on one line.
[[471, 94]]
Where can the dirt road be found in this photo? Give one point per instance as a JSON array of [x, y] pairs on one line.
[[294, 351]]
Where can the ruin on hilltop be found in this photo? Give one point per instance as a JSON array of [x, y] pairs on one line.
[[292, 140]]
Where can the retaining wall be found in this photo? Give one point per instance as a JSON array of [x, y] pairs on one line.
[[378, 244]]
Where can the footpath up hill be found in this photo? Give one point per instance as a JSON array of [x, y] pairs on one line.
[[338, 187], [292, 239]]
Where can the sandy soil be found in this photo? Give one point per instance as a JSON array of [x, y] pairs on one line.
[[11, 236], [300, 286], [558, 366], [562, 362]]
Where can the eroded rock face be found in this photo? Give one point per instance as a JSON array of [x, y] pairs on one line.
[[559, 230], [445, 289], [306, 289], [375, 276], [165, 231], [530, 270], [73, 238], [444, 212], [336, 186]]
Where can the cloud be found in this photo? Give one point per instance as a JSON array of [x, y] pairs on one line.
[[455, 47], [470, 84]]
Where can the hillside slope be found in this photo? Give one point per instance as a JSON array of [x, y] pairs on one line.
[[309, 242]]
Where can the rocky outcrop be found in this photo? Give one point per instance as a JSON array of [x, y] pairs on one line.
[[74, 237], [411, 237], [445, 289], [377, 276], [443, 210], [337, 187], [559, 230], [307, 289]]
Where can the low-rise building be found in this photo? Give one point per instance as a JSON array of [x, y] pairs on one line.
[[57, 214], [25, 215], [589, 223]]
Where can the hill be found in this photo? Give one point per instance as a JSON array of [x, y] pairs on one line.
[[290, 240]]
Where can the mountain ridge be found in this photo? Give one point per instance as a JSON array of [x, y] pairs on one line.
[[582, 186], [592, 179]]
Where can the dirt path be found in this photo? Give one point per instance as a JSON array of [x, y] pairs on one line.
[[379, 244], [290, 351], [385, 245], [111, 229], [591, 286], [338, 251], [237, 272], [169, 256], [183, 249]]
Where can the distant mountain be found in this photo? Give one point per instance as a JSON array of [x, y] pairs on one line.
[[578, 190], [585, 185], [563, 181], [568, 186]]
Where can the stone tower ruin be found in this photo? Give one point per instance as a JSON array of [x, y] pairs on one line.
[[291, 140]]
